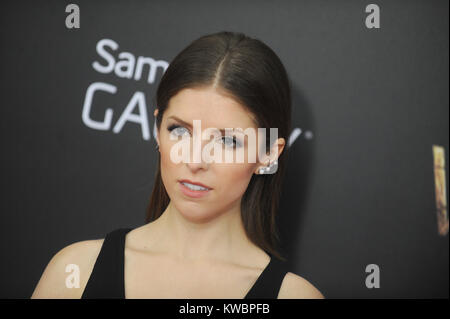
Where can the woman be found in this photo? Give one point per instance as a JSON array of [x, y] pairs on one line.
[[218, 241]]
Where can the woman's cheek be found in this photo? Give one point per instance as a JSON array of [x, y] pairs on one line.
[[234, 182], [169, 171]]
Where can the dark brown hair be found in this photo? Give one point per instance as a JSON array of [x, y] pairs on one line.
[[254, 76]]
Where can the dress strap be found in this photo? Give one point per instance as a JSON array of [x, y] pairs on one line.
[[269, 281], [107, 277]]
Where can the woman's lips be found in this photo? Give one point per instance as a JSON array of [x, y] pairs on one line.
[[194, 183], [191, 193]]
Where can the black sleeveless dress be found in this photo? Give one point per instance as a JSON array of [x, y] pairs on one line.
[[107, 277]]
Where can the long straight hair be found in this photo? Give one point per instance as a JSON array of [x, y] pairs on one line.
[[254, 76]]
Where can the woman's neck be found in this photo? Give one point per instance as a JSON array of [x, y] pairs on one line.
[[222, 239]]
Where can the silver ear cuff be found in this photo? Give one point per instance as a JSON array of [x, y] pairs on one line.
[[270, 168]]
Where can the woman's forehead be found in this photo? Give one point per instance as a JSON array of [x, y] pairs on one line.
[[212, 108]]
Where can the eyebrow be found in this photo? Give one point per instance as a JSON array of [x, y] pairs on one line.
[[190, 126]]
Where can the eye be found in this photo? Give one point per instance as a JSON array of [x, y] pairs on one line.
[[232, 142], [175, 129]]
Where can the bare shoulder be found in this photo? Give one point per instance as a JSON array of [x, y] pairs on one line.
[[297, 287], [75, 259]]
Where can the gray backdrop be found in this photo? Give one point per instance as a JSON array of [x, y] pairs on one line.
[[370, 103]]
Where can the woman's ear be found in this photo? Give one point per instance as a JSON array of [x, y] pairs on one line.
[[275, 153]]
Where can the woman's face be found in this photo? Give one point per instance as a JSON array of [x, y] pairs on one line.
[[228, 181]]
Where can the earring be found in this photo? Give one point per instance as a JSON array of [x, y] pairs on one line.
[[269, 168]]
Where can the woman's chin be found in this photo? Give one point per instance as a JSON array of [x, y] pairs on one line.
[[194, 215]]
